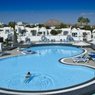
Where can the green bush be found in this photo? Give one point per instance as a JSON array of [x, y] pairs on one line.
[[55, 32]]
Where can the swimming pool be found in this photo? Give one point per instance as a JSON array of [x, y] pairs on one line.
[[47, 71]]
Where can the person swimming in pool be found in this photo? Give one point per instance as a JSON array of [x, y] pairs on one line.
[[28, 75]]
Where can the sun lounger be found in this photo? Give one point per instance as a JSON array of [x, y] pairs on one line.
[[92, 57], [91, 54], [28, 52], [80, 59]]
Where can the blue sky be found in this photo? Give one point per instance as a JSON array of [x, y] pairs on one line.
[[39, 11]]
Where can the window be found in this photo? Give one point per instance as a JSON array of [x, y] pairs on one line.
[[27, 40], [39, 33], [44, 33], [65, 33], [84, 34], [1, 39], [47, 33], [1, 30], [33, 32], [74, 34]]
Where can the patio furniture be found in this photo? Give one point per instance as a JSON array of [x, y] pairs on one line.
[[80, 59], [92, 55], [28, 52]]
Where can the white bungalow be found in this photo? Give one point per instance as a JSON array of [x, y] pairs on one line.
[[30, 33], [42, 31], [86, 35], [59, 37], [76, 34], [81, 35], [6, 33], [19, 28], [36, 33], [65, 33]]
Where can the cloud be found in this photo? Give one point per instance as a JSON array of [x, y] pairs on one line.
[[88, 14]]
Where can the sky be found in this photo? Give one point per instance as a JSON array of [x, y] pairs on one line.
[[39, 11]]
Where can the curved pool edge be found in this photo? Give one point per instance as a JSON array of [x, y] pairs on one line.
[[88, 85], [76, 90]]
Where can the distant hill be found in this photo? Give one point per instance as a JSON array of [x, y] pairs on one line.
[[52, 22]]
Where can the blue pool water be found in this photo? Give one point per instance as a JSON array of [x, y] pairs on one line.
[[47, 72]]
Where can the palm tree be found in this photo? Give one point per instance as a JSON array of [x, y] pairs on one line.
[[83, 21], [87, 21], [80, 20], [12, 24]]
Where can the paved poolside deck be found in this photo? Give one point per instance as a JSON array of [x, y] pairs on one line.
[[89, 63], [11, 53]]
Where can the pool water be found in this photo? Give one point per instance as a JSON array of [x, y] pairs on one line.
[[47, 71]]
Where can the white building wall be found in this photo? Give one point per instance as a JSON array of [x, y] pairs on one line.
[[17, 27], [88, 35], [1, 46], [5, 32], [78, 37], [93, 33], [59, 37]]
